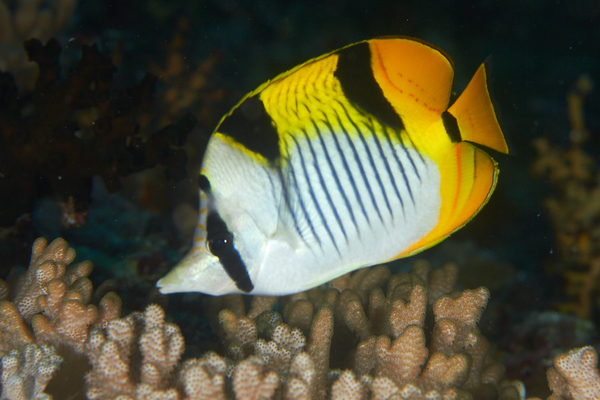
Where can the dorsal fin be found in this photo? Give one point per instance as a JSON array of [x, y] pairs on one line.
[[415, 77], [475, 114]]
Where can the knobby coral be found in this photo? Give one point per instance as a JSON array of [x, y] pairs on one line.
[[574, 207], [23, 19], [80, 127], [351, 340]]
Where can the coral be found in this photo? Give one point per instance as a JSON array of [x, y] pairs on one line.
[[117, 370], [26, 373], [187, 87], [378, 340], [81, 127], [25, 19], [359, 343], [574, 209], [575, 375], [47, 319]]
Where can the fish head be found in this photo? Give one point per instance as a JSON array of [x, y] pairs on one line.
[[197, 271], [234, 224], [227, 254]]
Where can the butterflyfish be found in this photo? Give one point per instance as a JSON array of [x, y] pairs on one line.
[[349, 160]]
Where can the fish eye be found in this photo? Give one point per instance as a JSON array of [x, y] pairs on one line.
[[220, 243]]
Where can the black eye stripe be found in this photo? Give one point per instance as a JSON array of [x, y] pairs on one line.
[[216, 230]]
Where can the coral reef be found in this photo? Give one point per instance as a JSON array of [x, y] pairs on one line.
[[25, 19], [575, 375], [79, 128], [350, 340], [574, 208]]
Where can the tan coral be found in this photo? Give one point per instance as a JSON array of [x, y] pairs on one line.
[[114, 367], [54, 295], [300, 384], [251, 381], [575, 375], [319, 346], [29, 19], [204, 379], [240, 334], [48, 262], [26, 373], [376, 338], [14, 332], [278, 352], [347, 387]]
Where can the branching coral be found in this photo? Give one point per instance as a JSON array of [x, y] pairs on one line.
[[114, 357], [81, 127], [47, 320], [352, 340], [574, 209], [25, 19], [575, 375], [26, 373]]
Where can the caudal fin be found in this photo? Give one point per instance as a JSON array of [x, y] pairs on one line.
[[475, 115]]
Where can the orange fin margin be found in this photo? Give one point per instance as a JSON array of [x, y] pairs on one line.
[[476, 116], [469, 176]]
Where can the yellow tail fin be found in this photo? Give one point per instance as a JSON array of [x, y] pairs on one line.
[[475, 115]]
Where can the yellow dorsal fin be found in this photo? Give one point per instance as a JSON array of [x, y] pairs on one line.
[[475, 115], [415, 77]]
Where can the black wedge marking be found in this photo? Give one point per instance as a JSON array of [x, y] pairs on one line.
[[348, 170], [359, 163], [387, 165], [337, 180], [451, 126], [314, 197], [399, 163], [250, 125], [360, 87], [221, 244]]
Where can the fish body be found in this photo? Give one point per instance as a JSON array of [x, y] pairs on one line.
[[349, 160]]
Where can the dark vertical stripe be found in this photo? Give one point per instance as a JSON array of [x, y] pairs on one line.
[[348, 174], [359, 163], [387, 165], [250, 125], [407, 153], [399, 163], [286, 197], [322, 181], [313, 196], [229, 257], [303, 206], [377, 177], [416, 150], [355, 74], [349, 171], [335, 177]]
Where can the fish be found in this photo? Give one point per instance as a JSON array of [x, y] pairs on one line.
[[349, 160]]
